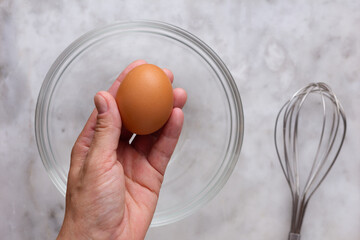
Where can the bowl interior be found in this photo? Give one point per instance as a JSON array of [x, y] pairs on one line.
[[208, 132]]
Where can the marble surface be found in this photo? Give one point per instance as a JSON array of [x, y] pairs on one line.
[[272, 48]]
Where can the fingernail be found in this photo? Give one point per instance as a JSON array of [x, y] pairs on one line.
[[100, 103]]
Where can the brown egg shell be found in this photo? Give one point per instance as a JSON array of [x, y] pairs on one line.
[[145, 99]]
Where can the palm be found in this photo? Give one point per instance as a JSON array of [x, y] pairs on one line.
[[120, 182], [133, 181], [141, 185], [142, 181]]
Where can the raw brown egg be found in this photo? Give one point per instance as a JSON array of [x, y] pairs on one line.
[[145, 99]]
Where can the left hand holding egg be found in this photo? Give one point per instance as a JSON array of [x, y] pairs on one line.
[[113, 185]]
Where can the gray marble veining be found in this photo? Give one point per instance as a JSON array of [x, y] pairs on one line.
[[272, 48]]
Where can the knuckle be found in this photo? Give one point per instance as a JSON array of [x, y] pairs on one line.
[[105, 124]]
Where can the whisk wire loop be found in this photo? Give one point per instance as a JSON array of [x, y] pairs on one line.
[[331, 139]]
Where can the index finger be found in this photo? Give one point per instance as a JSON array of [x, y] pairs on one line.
[[114, 87]]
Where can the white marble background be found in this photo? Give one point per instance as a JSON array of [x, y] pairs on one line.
[[271, 47]]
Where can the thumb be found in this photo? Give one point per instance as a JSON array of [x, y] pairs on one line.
[[107, 128]]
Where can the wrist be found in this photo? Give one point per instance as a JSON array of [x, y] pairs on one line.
[[69, 232]]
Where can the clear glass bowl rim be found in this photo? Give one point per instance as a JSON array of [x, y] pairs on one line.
[[167, 30]]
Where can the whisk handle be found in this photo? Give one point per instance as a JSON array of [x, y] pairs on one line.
[[294, 236]]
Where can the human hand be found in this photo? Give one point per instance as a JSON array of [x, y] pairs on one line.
[[113, 186]]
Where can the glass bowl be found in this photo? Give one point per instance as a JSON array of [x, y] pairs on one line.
[[210, 142]]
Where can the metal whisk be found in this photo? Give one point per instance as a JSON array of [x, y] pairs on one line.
[[326, 140]]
